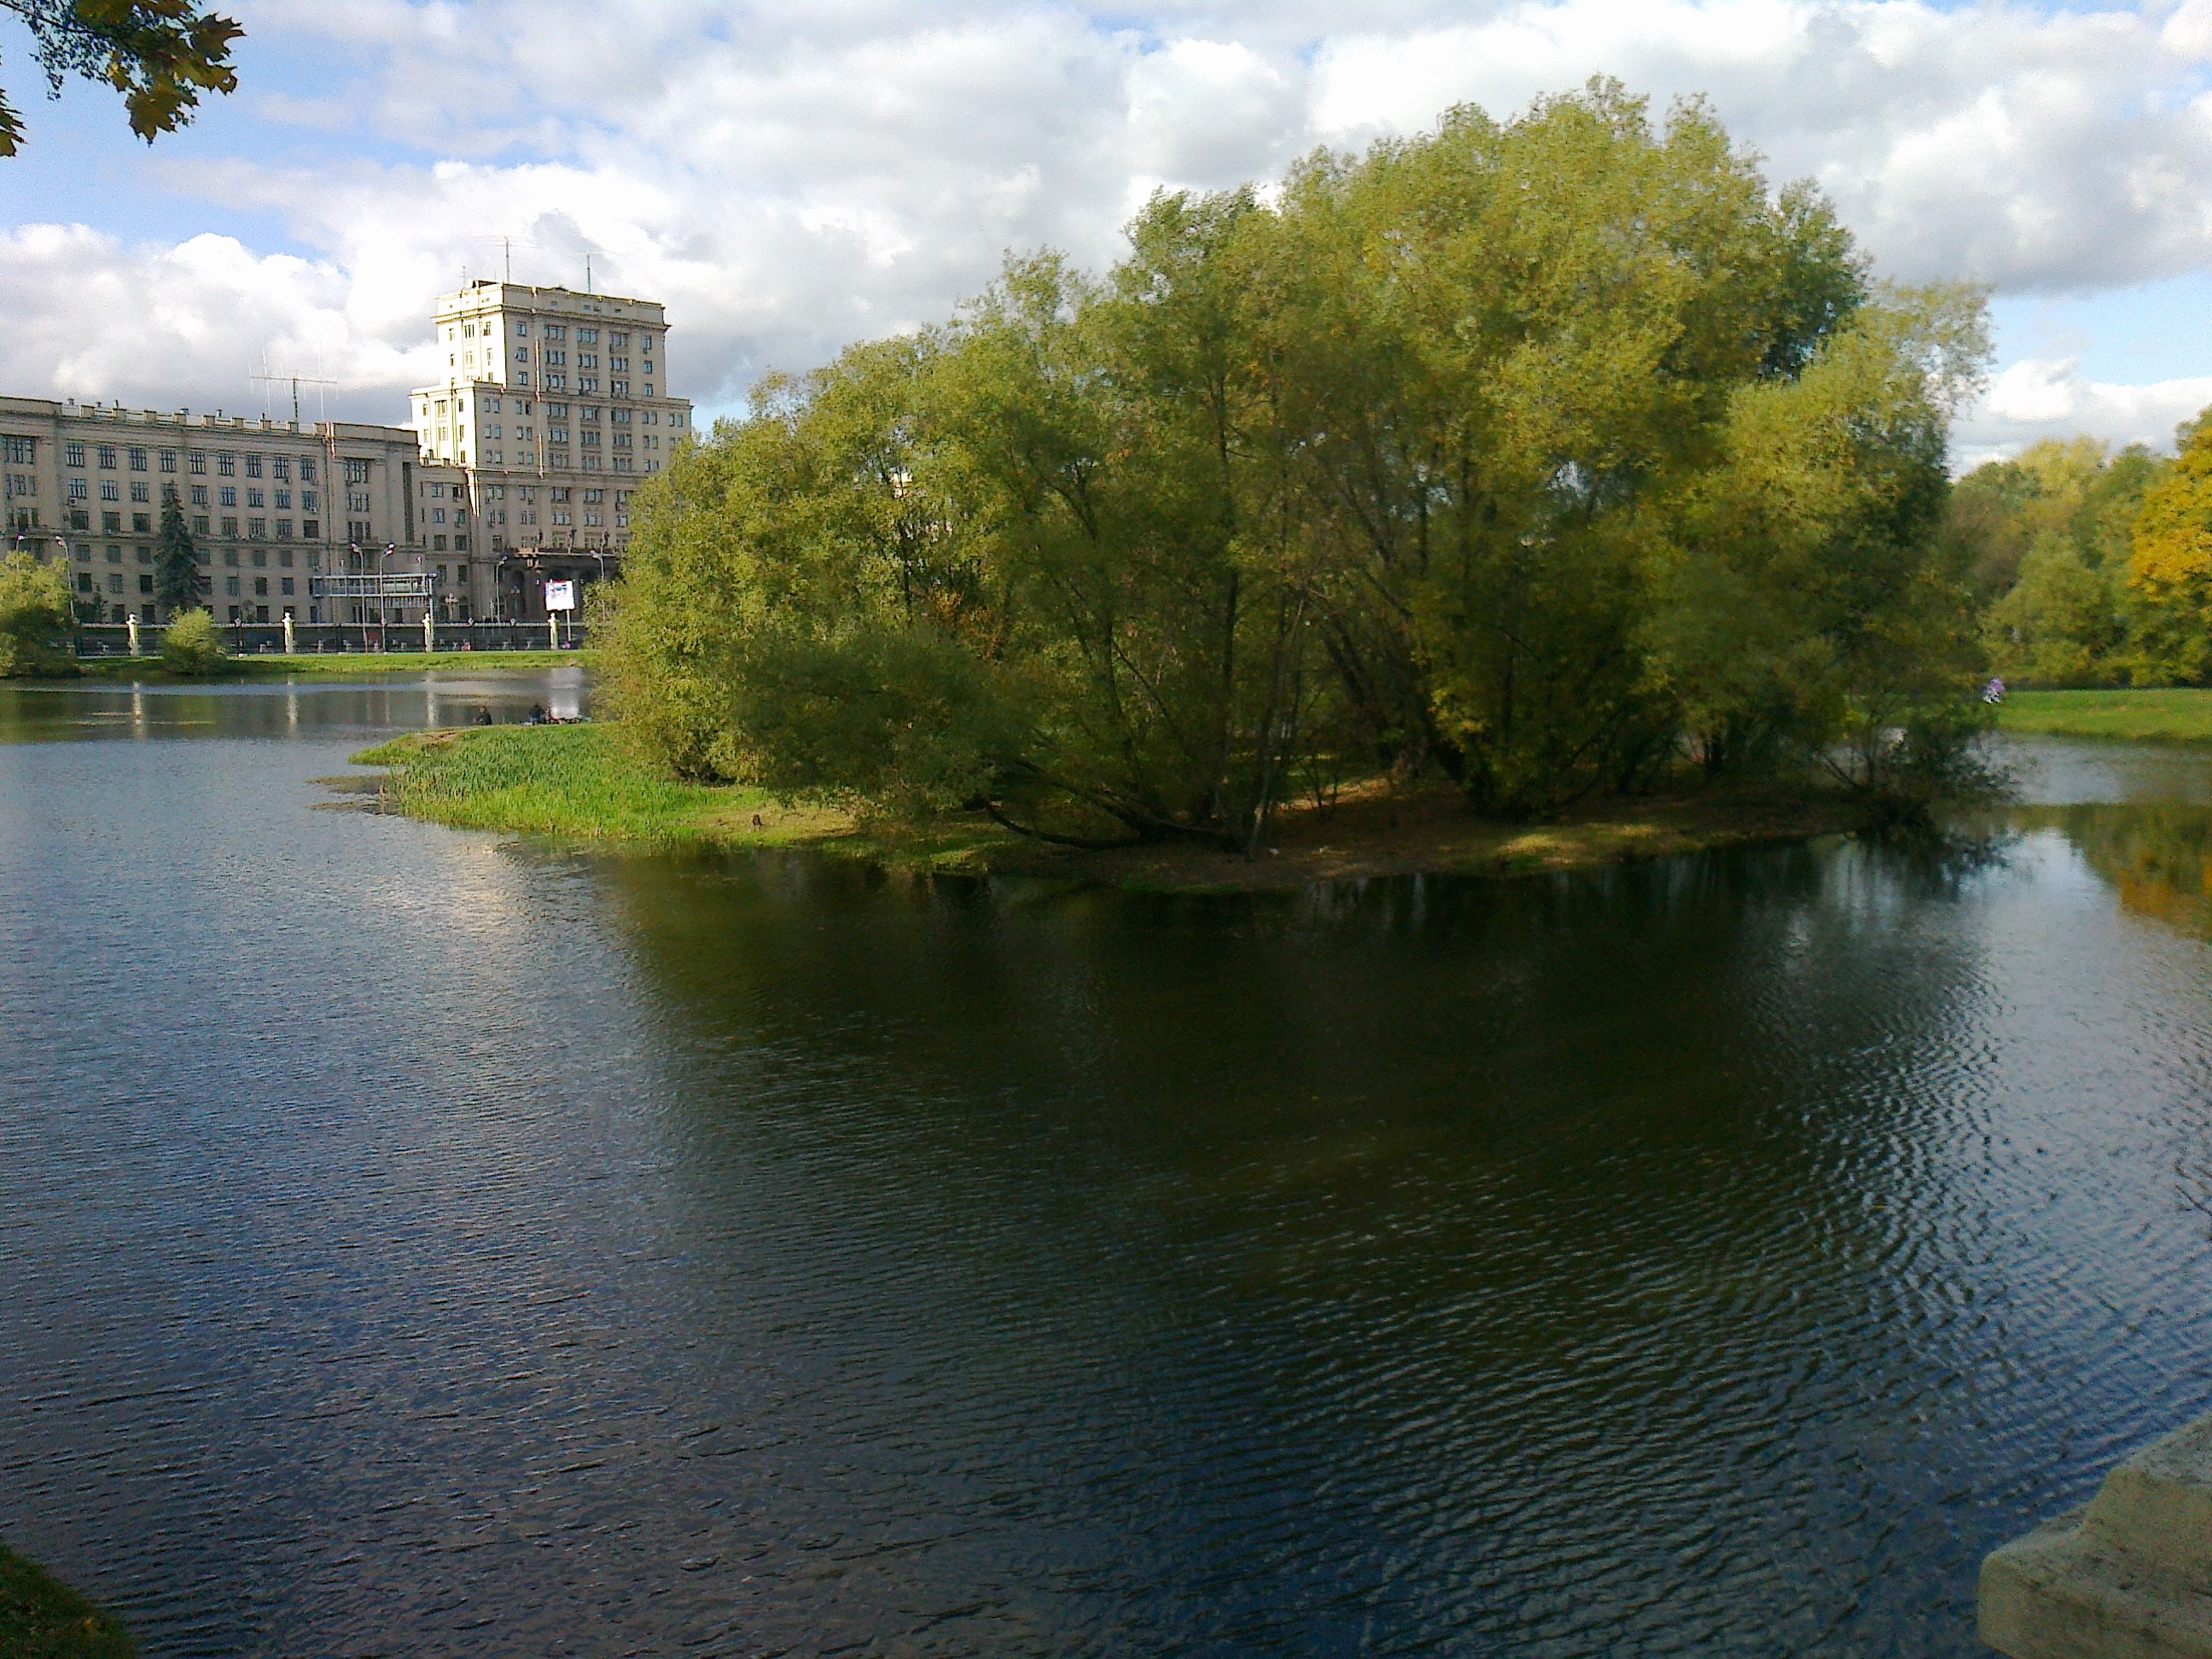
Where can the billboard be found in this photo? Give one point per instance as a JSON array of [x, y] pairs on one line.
[[560, 596]]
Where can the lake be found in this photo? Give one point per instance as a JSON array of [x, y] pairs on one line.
[[413, 1241]]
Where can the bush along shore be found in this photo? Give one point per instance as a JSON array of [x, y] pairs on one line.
[[582, 783], [328, 665], [41, 1618]]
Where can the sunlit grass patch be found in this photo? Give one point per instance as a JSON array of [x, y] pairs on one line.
[[2175, 714]]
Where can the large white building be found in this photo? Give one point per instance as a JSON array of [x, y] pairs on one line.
[[517, 469], [554, 408], [270, 504]]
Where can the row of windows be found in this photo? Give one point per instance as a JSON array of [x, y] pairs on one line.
[[142, 524], [105, 456]]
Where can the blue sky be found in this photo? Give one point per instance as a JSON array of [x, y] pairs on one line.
[[788, 177]]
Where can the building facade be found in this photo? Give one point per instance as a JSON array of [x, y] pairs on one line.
[[270, 504], [517, 469], [553, 410]]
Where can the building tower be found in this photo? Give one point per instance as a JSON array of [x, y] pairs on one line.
[[554, 409]]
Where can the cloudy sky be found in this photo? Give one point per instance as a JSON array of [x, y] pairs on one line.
[[790, 175]]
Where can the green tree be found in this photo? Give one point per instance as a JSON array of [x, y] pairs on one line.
[[176, 561], [36, 617], [191, 644], [159, 54], [1539, 452]]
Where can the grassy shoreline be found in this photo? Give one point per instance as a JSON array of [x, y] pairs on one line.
[[42, 1618], [2169, 714], [332, 664], [576, 783]]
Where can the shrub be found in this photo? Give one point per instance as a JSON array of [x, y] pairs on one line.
[[192, 646], [36, 620]]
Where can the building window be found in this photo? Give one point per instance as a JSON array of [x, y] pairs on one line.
[[75, 450], [199, 496], [84, 581], [226, 464], [196, 460], [307, 468], [146, 583], [168, 460], [311, 528], [356, 470], [280, 467], [110, 491], [286, 586], [260, 558], [76, 489], [283, 498], [142, 524], [253, 499], [228, 494], [137, 460], [252, 466], [284, 530], [199, 524], [230, 589], [230, 530], [261, 587], [140, 492], [106, 453]]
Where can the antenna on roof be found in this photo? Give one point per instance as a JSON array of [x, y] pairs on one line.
[[279, 379], [587, 273]]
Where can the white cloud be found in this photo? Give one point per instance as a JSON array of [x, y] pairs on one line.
[[796, 173], [2038, 399], [161, 327]]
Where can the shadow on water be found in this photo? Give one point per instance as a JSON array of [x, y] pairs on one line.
[[1585, 1252], [420, 1243]]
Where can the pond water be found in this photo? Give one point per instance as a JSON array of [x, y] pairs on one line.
[[416, 1242]]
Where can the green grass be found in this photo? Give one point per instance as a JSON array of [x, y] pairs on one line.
[[344, 665], [578, 782], [549, 781], [41, 1618], [2182, 714]]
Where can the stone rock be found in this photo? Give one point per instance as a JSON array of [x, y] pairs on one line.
[[2130, 1577]]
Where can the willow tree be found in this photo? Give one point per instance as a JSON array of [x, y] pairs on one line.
[[1537, 453]]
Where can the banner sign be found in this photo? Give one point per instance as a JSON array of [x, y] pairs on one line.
[[560, 596]]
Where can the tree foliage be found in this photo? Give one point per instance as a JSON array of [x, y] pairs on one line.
[[159, 54], [1541, 452], [191, 644], [176, 561], [36, 618], [2083, 558]]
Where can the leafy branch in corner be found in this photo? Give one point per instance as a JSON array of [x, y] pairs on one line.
[[159, 54]]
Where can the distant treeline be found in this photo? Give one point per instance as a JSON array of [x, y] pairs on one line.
[[2092, 568], [1553, 456]]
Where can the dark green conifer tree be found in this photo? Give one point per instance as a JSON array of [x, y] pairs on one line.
[[176, 561]]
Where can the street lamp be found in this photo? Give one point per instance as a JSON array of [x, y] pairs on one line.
[[382, 600]]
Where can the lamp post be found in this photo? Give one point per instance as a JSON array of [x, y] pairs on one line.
[[381, 601]]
